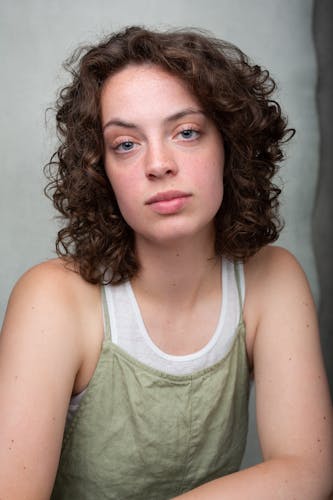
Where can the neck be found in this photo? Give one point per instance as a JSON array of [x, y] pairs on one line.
[[176, 273]]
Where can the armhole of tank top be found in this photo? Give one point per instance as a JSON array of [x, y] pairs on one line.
[[106, 315], [240, 281]]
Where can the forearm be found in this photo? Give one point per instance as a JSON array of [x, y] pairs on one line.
[[276, 479]]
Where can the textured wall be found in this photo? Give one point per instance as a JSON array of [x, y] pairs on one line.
[[36, 36]]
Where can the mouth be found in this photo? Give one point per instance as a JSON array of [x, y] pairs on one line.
[[166, 196], [168, 202]]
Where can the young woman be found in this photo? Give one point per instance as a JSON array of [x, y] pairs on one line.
[[125, 364]]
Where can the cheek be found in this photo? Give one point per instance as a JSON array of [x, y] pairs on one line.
[[117, 182], [216, 192], [125, 193], [218, 176], [212, 179]]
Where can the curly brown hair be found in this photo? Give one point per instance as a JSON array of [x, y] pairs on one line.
[[234, 93]]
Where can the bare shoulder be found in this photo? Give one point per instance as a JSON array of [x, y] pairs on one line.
[[54, 302], [52, 285], [53, 277], [273, 262], [271, 272], [276, 285]]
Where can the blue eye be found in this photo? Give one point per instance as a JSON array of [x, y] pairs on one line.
[[125, 146], [189, 133]]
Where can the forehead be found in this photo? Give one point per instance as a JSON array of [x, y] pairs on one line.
[[145, 86], [139, 74]]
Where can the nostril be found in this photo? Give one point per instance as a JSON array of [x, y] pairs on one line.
[[160, 171]]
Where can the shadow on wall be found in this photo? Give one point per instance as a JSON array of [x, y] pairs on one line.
[[323, 213]]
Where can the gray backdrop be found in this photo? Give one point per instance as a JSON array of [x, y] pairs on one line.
[[37, 35]]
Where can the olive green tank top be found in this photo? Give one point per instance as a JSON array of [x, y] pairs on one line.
[[146, 435]]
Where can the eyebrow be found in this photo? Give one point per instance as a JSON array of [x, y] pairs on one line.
[[176, 116]]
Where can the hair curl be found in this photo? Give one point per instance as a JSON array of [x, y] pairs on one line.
[[233, 92]]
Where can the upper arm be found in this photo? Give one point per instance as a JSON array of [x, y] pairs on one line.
[[294, 413], [39, 359]]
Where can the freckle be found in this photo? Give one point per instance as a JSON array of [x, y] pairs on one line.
[[318, 440], [12, 440], [307, 325], [290, 359], [324, 418]]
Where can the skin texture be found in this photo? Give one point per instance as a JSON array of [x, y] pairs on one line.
[[53, 331]]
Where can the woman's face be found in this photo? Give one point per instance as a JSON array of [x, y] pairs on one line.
[[163, 156]]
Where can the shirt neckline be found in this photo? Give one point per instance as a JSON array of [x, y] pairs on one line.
[[207, 347]]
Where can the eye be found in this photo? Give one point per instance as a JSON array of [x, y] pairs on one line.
[[189, 134], [124, 147]]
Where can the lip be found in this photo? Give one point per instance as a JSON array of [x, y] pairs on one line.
[[168, 202], [166, 196]]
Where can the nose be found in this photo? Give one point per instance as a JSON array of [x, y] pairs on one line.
[[160, 162]]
